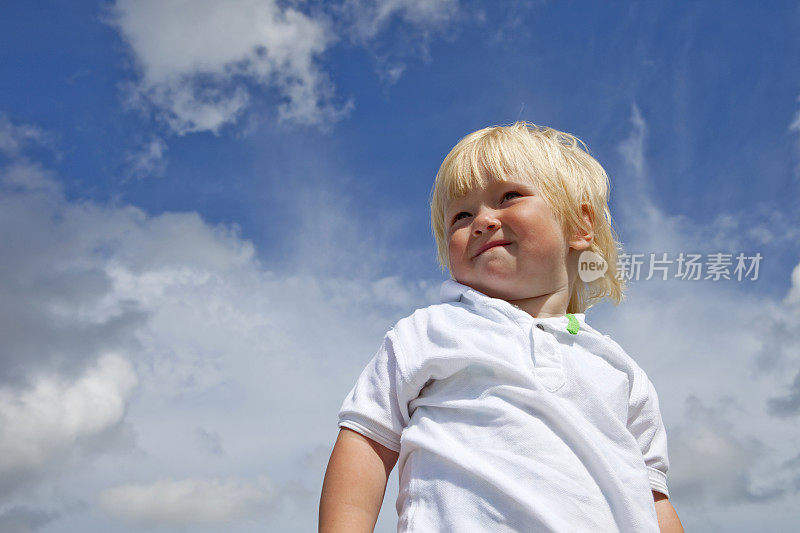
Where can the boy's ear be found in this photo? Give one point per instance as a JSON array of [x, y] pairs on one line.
[[581, 239]]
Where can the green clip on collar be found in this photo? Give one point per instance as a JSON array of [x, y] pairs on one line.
[[573, 325]]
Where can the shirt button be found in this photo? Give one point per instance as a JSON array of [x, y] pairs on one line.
[[541, 327]]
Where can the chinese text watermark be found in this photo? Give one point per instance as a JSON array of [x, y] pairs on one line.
[[685, 266]]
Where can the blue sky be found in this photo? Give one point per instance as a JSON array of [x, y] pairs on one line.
[[717, 101], [266, 168]]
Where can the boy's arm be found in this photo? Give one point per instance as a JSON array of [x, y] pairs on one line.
[[355, 483], [668, 521]]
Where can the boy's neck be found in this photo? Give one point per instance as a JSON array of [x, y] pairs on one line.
[[544, 306], [556, 302]]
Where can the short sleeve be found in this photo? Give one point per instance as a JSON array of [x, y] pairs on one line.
[[645, 424], [377, 406]]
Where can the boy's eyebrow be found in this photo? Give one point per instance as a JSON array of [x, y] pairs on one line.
[[454, 203], [451, 203], [524, 184]]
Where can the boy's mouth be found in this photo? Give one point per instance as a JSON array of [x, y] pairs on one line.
[[491, 244]]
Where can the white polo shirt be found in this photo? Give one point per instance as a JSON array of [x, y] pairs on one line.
[[505, 422]]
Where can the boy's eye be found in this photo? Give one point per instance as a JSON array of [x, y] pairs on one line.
[[505, 196], [458, 216]]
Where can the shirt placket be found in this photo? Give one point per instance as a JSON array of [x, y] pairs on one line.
[[546, 354]]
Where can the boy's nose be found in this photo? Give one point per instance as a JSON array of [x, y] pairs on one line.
[[485, 221]]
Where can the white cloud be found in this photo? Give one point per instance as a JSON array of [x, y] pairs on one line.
[[41, 422], [723, 358], [23, 519], [795, 127], [794, 293], [370, 17], [201, 63], [186, 502], [14, 137], [30, 177], [222, 340], [210, 440], [148, 160], [639, 205], [196, 59], [219, 340], [373, 24], [708, 456], [701, 345], [650, 229]]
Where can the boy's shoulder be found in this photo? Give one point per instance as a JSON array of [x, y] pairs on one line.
[[445, 314], [613, 352], [595, 331]]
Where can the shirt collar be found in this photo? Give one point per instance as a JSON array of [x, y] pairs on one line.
[[453, 291]]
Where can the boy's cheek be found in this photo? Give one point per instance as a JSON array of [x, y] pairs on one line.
[[454, 248]]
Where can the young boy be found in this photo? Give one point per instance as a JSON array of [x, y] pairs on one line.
[[506, 410]]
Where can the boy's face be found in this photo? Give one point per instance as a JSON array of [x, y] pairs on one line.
[[530, 258]]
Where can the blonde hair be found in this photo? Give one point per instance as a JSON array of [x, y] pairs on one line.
[[565, 175]]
